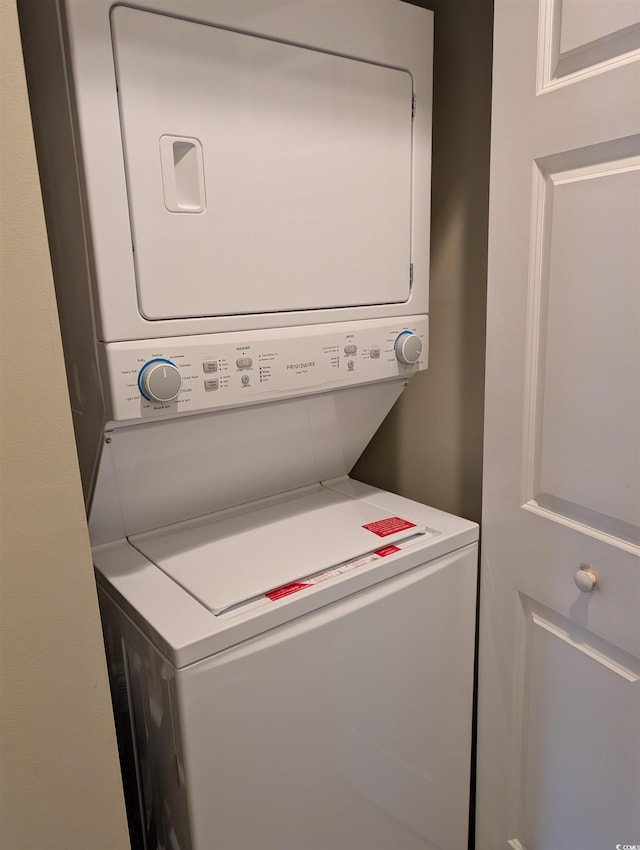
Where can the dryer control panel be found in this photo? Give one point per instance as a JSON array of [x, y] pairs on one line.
[[177, 375]]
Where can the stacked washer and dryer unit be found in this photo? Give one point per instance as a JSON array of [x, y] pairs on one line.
[[237, 198]]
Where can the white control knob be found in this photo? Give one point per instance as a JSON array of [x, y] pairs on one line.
[[159, 380], [408, 348]]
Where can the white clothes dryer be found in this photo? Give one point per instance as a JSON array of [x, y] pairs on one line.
[[212, 167]]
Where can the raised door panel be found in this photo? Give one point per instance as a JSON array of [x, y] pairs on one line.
[[584, 395], [580, 37], [583, 23], [577, 692]]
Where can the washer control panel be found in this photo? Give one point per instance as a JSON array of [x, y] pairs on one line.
[[164, 377]]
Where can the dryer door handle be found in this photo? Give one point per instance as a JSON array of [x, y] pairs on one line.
[[182, 174]]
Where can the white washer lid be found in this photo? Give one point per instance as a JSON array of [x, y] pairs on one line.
[[226, 561]]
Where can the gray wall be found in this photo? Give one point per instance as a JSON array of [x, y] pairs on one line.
[[430, 446]]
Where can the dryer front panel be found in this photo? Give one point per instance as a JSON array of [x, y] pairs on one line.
[[262, 176]]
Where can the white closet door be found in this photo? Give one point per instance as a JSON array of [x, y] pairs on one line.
[[559, 701]]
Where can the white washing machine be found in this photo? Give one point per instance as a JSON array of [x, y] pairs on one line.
[[237, 199], [297, 673]]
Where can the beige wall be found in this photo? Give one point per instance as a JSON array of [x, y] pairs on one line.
[[430, 446], [59, 778]]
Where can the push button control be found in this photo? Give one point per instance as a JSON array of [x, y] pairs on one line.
[[211, 384], [351, 349], [210, 366], [244, 362]]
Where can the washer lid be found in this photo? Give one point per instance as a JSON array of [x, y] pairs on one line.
[[227, 561]]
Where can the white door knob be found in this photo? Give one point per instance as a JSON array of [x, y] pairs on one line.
[[586, 579]]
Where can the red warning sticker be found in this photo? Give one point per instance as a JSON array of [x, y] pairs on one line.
[[285, 590], [386, 550], [390, 525]]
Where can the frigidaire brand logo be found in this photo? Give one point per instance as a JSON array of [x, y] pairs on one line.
[[296, 366]]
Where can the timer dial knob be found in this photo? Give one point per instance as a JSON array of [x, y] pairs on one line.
[[408, 348], [159, 380]]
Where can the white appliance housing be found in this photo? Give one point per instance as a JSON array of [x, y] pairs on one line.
[[212, 167], [238, 209]]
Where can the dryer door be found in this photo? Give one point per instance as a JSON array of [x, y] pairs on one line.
[[262, 176]]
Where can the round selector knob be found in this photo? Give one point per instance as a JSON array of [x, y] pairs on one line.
[[408, 348], [159, 380]]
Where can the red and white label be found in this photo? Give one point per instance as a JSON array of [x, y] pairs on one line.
[[386, 550], [390, 525], [311, 581], [285, 590]]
